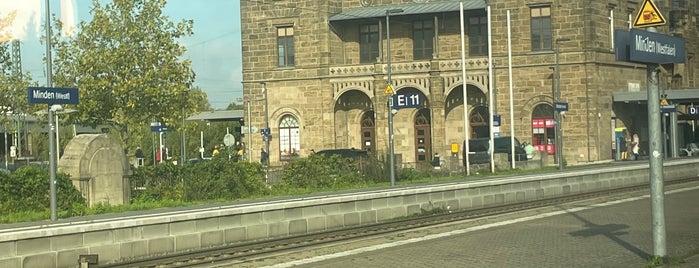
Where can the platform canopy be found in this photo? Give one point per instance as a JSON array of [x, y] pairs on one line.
[[680, 96], [219, 116]]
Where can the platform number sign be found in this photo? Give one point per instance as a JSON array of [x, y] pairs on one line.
[[401, 101]]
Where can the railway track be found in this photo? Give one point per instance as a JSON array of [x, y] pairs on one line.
[[239, 254]]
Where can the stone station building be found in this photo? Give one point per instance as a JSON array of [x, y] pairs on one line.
[[321, 70]]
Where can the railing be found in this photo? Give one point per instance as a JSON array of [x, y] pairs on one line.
[[408, 67]]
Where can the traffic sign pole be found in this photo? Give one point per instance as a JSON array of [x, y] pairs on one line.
[[657, 195]]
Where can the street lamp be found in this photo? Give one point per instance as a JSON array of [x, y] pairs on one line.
[[556, 95], [248, 126], [391, 158], [268, 133], [60, 110]]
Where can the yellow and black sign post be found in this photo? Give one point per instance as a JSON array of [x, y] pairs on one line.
[[648, 16]]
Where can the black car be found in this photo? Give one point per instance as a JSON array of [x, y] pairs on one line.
[[478, 149]]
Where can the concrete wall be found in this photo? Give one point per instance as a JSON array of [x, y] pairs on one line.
[[135, 236]]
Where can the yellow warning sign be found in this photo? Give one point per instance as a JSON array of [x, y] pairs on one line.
[[663, 102], [389, 89], [648, 16]]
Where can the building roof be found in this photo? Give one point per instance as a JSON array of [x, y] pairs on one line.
[[220, 115], [408, 9]]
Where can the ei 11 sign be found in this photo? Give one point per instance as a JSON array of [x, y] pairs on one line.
[[52, 95], [411, 100]]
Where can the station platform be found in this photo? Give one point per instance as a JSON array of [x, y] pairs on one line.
[[614, 233]]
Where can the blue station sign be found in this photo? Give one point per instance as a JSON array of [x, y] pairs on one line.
[[157, 127], [560, 106], [401, 101], [648, 47], [52, 95]]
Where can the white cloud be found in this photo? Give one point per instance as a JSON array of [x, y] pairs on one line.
[[68, 17], [28, 14]]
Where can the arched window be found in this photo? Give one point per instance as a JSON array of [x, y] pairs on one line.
[[289, 138]]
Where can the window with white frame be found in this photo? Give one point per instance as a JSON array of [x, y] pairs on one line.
[[289, 138]]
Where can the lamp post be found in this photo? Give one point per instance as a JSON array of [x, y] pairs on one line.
[[249, 133], [60, 110], [268, 132], [248, 124], [51, 110], [391, 158], [556, 95]]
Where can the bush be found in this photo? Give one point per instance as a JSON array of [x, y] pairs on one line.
[[28, 189], [410, 174], [321, 172], [218, 179]]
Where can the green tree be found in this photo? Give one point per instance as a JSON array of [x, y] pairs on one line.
[[128, 67], [236, 106], [13, 84]]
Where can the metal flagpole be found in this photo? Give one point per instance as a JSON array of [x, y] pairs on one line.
[[463, 87]]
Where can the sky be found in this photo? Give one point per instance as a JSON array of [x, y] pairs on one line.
[[214, 48]]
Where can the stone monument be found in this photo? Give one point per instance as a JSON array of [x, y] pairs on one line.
[[99, 169]]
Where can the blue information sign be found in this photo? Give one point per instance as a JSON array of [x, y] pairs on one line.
[[648, 47], [157, 127], [52, 95], [401, 101], [560, 106]]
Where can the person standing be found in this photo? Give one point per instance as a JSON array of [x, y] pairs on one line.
[[436, 161], [623, 148], [529, 150], [139, 156], [264, 156], [215, 152], [635, 147]]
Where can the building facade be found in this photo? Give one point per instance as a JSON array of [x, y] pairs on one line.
[[316, 72]]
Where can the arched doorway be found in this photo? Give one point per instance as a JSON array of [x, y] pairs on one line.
[[479, 122], [543, 134], [423, 136], [353, 115], [477, 114], [368, 132]]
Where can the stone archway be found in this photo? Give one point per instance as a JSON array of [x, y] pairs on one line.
[[350, 111], [454, 112], [99, 169]]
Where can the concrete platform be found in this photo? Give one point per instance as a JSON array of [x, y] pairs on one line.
[[616, 234]]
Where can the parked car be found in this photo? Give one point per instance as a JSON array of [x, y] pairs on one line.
[[478, 149]]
